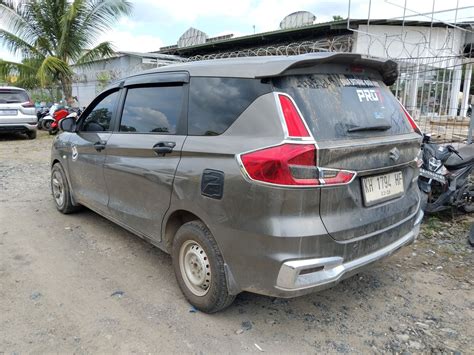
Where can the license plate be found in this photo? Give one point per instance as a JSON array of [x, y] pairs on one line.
[[8, 112], [432, 175], [382, 187]]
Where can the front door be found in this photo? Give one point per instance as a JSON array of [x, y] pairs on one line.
[[86, 165], [143, 154]]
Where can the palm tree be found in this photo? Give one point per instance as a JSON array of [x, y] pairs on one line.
[[54, 35]]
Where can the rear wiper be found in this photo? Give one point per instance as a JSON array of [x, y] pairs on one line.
[[381, 127]]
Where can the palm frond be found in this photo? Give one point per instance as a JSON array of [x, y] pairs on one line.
[[51, 67], [101, 51], [14, 18], [102, 14], [16, 44]]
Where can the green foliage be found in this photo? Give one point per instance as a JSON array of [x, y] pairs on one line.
[[53, 35], [337, 18]]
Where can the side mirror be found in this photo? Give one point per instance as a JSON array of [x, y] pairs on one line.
[[68, 124]]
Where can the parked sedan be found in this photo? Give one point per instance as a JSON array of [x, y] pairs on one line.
[[17, 111]]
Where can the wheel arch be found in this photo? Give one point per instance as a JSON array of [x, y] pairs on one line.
[[171, 225], [173, 222]]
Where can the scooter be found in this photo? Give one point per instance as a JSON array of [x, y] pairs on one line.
[[41, 113], [48, 119], [446, 177], [57, 116], [60, 115]]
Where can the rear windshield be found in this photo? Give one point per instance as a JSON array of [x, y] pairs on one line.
[[344, 106], [9, 96]]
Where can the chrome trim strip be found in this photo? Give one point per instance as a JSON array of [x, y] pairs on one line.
[[289, 278]]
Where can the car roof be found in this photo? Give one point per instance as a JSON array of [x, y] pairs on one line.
[[11, 88], [265, 66]]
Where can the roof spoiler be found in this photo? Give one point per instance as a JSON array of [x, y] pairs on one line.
[[387, 68]]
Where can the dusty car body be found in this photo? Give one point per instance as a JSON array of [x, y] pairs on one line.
[[274, 175], [17, 112]]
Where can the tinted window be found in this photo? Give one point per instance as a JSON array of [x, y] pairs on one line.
[[342, 106], [152, 109], [215, 103], [99, 118], [10, 96]]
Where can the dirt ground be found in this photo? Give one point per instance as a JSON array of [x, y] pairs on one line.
[[80, 284]]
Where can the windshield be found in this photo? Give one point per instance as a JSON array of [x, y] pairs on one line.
[[11, 96], [344, 106]]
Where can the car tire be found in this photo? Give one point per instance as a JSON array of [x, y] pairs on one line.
[[199, 268], [60, 190], [31, 134]]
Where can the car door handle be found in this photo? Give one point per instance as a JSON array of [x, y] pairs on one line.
[[162, 148], [100, 145]]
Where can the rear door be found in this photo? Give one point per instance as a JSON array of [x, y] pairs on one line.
[[360, 126], [144, 151]]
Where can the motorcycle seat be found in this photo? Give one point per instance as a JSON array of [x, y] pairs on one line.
[[467, 154]]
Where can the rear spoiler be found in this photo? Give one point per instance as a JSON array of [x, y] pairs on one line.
[[387, 68]]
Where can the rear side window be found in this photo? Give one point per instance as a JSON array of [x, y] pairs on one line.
[[12, 96], [344, 106], [215, 103], [152, 109]]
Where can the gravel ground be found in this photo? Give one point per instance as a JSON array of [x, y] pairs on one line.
[[81, 284]]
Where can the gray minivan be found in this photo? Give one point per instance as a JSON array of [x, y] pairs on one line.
[[274, 175]]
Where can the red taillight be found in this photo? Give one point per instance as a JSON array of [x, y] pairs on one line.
[[286, 164], [293, 120], [411, 120], [291, 165], [28, 104]]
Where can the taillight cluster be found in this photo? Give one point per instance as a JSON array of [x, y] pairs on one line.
[[286, 164], [294, 162], [28, 104], [411, 121]]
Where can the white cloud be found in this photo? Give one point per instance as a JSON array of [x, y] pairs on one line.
[[127, 41]]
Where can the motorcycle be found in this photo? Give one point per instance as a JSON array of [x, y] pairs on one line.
[[40, 114], [57, 116], [446, 177], [48, 119], [51, 123]]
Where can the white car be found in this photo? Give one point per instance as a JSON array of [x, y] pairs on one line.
[[17, 112]]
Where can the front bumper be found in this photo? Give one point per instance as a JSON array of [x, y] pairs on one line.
[[297, 277], [17, 127]]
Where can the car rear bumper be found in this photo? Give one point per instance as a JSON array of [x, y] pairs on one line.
[[297, 277], [17, 127], [286, 267]]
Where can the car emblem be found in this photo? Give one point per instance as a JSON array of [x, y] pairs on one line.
[[394, 154], [74, 152]]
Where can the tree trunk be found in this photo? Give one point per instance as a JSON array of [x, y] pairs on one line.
[[66, 84]]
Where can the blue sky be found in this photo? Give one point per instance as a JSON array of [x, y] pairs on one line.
[[156, 23]]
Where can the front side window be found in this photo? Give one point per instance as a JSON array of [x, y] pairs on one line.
[[98, 120], [154, 109]]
